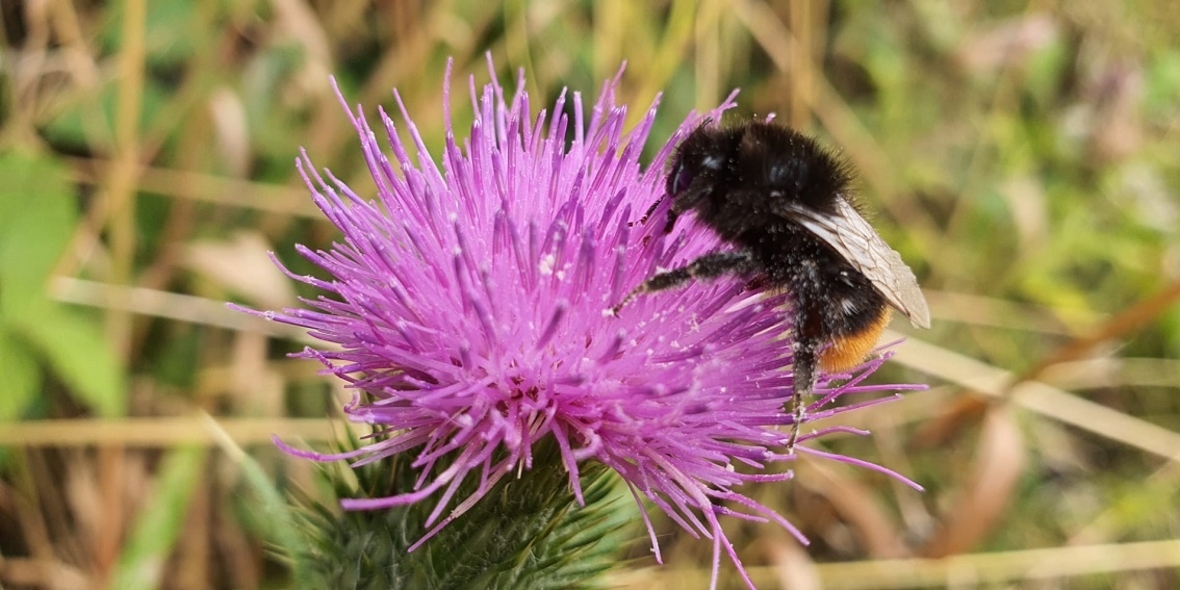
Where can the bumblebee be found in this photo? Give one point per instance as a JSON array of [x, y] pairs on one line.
[[782, 204]]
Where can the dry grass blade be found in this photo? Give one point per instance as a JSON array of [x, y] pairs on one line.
[[209, 188], [163, 304], [1040, 398], [169, 432], [1001, 567]]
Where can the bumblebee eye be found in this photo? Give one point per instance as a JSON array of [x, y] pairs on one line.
[[679, 180]]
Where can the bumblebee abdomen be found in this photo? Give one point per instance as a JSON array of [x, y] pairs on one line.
[[847, 350]]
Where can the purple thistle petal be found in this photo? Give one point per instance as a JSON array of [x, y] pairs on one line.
[[471, 300]]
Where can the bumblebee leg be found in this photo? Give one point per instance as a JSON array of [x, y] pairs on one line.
[[647, 215], [805, 353], [802, 384], [709, 266]]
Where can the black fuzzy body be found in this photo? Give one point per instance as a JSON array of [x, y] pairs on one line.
[[782, 203], [731, 176]]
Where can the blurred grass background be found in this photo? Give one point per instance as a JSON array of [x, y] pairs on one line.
[[1022, 156]]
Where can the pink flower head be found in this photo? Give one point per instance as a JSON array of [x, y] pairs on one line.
[[470, 302]]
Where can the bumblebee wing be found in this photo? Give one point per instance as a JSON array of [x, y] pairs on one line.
[[853, 238]]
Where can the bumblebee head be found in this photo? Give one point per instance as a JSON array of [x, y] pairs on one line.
[[702, 163]]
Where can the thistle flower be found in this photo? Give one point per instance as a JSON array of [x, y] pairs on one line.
[[469, 305]]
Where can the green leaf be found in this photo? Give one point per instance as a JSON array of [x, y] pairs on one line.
[[36, 218], [141, 565], [22, 378], [80, 355]]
